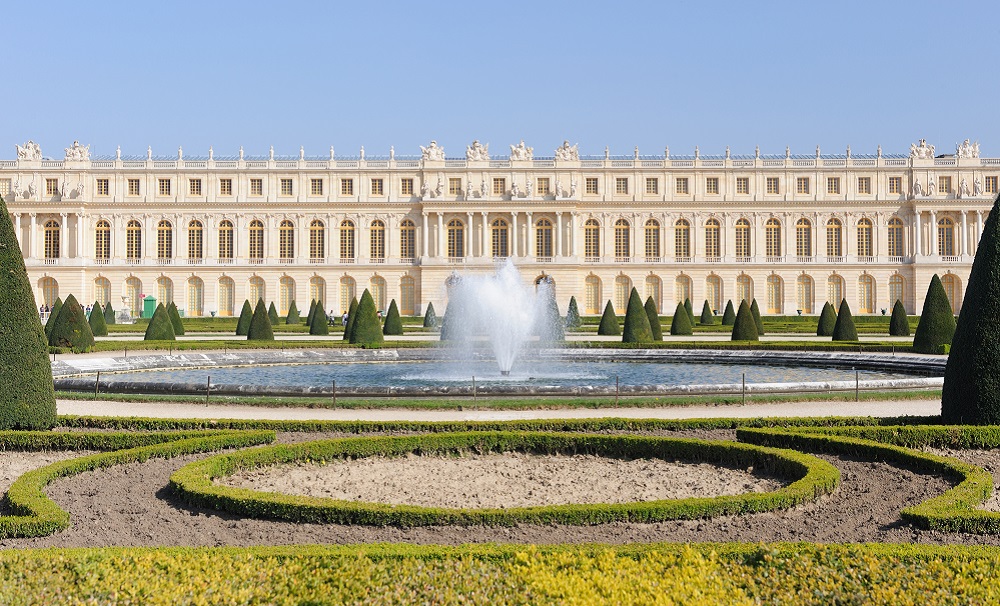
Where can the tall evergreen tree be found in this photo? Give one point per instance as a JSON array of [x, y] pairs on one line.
[[393, 324], [609, 322], [729, 317], [71, 330], [312, 310], [707, 317], [637, 329], [899, 324], [430, 318], [260, 324], [573, 321], [937, 321], [744, 327], [97, 324], [681, 323], [160, 328], [272, 314], [319, 324], [366, 330], [756, 317], [827, 320], [246, 315], [654, 319], [690, 309], [175, 319], [292, 317], [844, 329], [53, 314], [352, 315], [109, 314]]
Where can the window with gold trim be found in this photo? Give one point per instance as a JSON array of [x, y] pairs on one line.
[[454, 186], [406, 187], [163, 187], [802, 185], [225, 187], [256, 187], [681, 186], [286, 240], [864, 185], [52, 243], [377, 240], [773, 185], [103, 187], [164, 240], [316, 187], [712, 185], [407, 239], [742, 185], [895, 185], [51, 187], [378, 188], [590, 184], [317, 240], [194, 187], [286, 187], [133, 187]]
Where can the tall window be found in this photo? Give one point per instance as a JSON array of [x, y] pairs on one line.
[[195, 297], [743, 238], [592, 239], [317, 290], [133, 240], [348, 288], [866, 294], [407, 296], [456, 239], [286, 240], [498, 239], [775, 294], [835, 290], [803, 238], [623, 288], [454, 186], [317, 240], [50, 290], [623, 237], [654, 289], [682, 239], [347, 252], [744, 289], [713, 247], [772, 238], [377, 240], [227, 296], [256, 240], [804, 293], [256, 290], [376, 288], [407, 239], [682, 289], [895, 238], [543, 238], [866, 245], [102, 291], [286, 294], [102, 240], [592, 295], [196, 248], [164, 240], [952, 289], [226, 240], [133, 294], [896, 289], [946, 237], [652, 233], [164, 290], [944, 185], [52, 239], [51, 187], [834, 239], [713, 292]]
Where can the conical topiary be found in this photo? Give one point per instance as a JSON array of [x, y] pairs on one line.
[[109, 314], [430, 318], [351, 317], [971, 392], [609, 322], [729, 317], [272, 314], [260, 324], [827, 320], [72, 330], [756, 317], [53, 314], [246, 315], [367, 330], [160, 328], [573, 321], [175, 319], [744, 327], [899, 324], [681, 323], [690, 310], [393, 324], [319, 325], [636, 328], [312, 310], [97, 324], [937, 321], [844, 329], [654, 319], [27, 399], [292, 317], [707, 317]]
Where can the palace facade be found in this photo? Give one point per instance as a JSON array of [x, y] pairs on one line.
[[791, 230]]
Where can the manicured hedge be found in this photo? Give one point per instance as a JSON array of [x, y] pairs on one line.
[[393, 324], [260, 324], [292, 317], [98, 326], [636, 329], [937, 321], [72, 330], [366, 331], [160, 328], [175, 319], [609, 322]]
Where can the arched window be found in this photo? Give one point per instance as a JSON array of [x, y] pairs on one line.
[[592, 295], [772, 238], [407, 240], [286, 294], [835, 290], [376, 241], [164, 240], [133, 294], [52, 239], [543, 239], [803, 238], [743, 238], [894, 239], [317, 241], [592, 240], [102, 290], [866, 244], [456, 239], [682, 240], [713, 246], [775, 294], [654, 288], [499, 232], [713, 292], [804, 293], [376, 287], [623, 240], [652, 247], [256, 241], [866, 294], [286, 240], [226, 241], [195, 297], [50, 290], [682, 289], [257, 291], [196, 247], [347, 252], [623, 288], [102, 240], [133, 240], [164, 290], [952, 288], [348, 290], [834, 240], [897, 290], [946, 237], [317, 290], [744, 289], [227, 296], [407, 296]]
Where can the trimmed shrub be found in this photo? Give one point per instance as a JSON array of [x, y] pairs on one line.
[[609, 322], [71, 329], [272, 314], [53, 314], [899, 324], [637, 329], [175, 319], [109, 314], [98, 326], [844, 329], [430, 318], [246, 315], [729, 317], [744, 328], [573, 321], [827, 320], [756, 317], [937, 322], [681, 324], [352, 315], [293, 314], [366, 330], [319, 325], [260, 324], [654, 319], [393, 323], [707, 317], [160, 327], [690, 310], [312, 310]]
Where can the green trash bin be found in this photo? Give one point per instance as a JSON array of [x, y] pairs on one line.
[[148, 307]]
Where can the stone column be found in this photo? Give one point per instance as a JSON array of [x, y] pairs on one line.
[[513, 234], [917, 228], [64, 227], [559, 230], [17, 231], [529, 237], [468, 236], [963, 243], [442, 244], [423, 236], [979, 231], [572, 234], [934, 243], [484, 232], [81, 229]]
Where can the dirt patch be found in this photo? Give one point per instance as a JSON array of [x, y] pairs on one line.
[[15, 463]]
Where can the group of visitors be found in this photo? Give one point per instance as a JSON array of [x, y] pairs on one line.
[[332, 318]]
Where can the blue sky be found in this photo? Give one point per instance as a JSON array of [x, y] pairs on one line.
[[617, 74]]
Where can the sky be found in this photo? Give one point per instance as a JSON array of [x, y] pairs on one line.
[[618, 74]]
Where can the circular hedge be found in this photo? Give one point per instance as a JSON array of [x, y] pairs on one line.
[[810, 477]]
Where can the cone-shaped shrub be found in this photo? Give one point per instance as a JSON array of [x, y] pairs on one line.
[[744, 327], [430, 318], [293, 314], [319, 325], [636, 328], [352, 315], [27, 400], [609, 322], [246, 315], [729, 317], [272, 314], [260, 324], [393, 324], [549, 324], [160, 327], [937, 322], [367, 330], [109, 314], [844, 329], [71, 329], [97, 324], [681, 324], [827, 320], [175, 319], [971, 392], [690, 309], [573, 321], [756, 317], [312, 310], [53, 314], [707, 317], [899, 324], [654, 319]]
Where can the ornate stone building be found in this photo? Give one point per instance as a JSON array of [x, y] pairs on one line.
[[791, 230]]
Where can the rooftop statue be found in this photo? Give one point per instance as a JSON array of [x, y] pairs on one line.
[[78, 152], [521, 151], [567, 152], [432, 152], [966, 149], [477, 151], [29, 151], [921, 150]]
